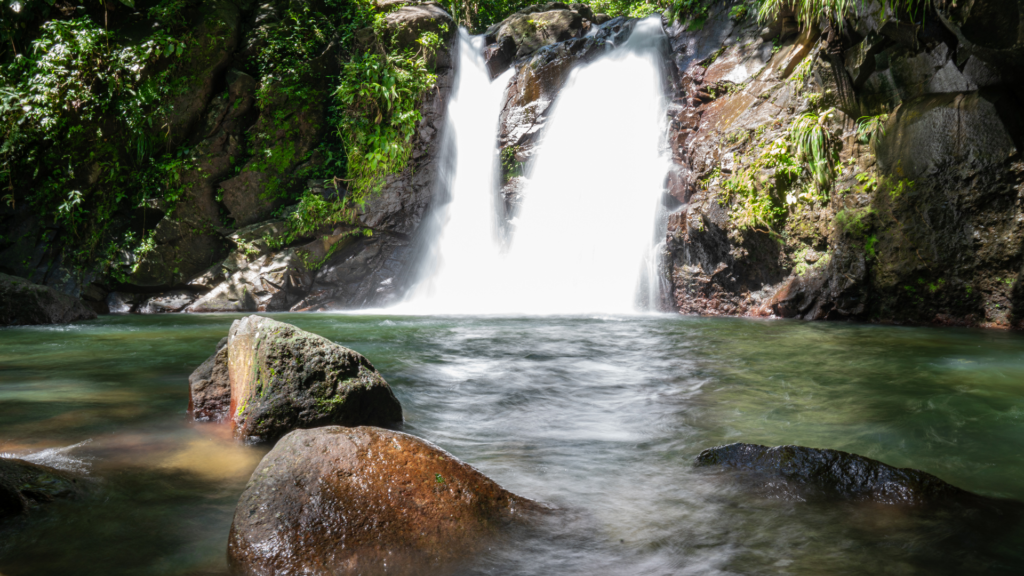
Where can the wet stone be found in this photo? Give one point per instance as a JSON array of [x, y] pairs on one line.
[[365, 501]]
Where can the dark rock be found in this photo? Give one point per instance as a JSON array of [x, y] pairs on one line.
[[408, 22], [24, 484], [22, 302], [210, 386], [796, 472], [532, 31], [364, 501], [283, 378]]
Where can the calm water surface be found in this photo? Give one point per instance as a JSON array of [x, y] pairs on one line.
[[599, 416]]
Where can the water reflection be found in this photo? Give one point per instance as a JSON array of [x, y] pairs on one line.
[[598, 416]]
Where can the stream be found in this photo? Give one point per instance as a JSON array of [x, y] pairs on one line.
[[599, 416]]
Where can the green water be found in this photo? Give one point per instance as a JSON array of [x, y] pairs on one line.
[[600, 417]]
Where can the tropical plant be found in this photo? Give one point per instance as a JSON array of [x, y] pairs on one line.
[[871, 128], [816, 146]]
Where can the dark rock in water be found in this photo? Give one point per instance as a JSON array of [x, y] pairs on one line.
[[210, 386], [365, 501], [22, 302], [796, 472], [24, 484], [283, 378]]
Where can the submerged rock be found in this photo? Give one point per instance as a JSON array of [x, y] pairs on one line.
[[283, 378], [22, 302], [364, 500], [24, 485], [796, 472], [210, 386]]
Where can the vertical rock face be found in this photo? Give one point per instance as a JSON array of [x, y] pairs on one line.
[[22, 302], [282, 378], [365, 501], [210, 386], [924, 220]]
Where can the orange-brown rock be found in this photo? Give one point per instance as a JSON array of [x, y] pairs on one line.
[[365, 500]]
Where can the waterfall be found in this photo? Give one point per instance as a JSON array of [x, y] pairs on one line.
[[582, 241], [464, 249]]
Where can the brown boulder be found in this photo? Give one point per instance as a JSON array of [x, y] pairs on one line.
[[364, 501]]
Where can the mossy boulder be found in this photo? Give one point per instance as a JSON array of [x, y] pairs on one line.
[[283, 378], [365, 501], [22, 302], [530, 32], [413, 19]]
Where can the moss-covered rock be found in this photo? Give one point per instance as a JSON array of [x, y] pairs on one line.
[[283, 378]]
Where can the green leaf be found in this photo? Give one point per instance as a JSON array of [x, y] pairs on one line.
[[128, 3]]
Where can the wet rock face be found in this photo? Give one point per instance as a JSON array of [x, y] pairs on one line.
[[283, 378], [22, 302], [365, 501], [210, 386], [796, 472], [924, 222], [24, 485]]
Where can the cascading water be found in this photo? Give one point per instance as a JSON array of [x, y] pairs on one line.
[[464, 228], [582, 239]]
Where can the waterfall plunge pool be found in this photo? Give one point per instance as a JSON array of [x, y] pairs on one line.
[[599, 416]]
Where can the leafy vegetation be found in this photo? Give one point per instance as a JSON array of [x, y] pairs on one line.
[[800, 167], [80, 135]]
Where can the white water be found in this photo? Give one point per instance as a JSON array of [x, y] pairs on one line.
[[465, 253], [581, 241]]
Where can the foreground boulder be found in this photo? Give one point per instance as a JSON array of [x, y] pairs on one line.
[[364, 501], [24, 485], [22, 302], [210, 386], [271, 378], [796, 472]]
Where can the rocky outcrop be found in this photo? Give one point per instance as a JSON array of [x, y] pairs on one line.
[[210, 387], [22, 302], [364, 501], [800, 473], [922, 223], [24, 485], [283, 378]]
